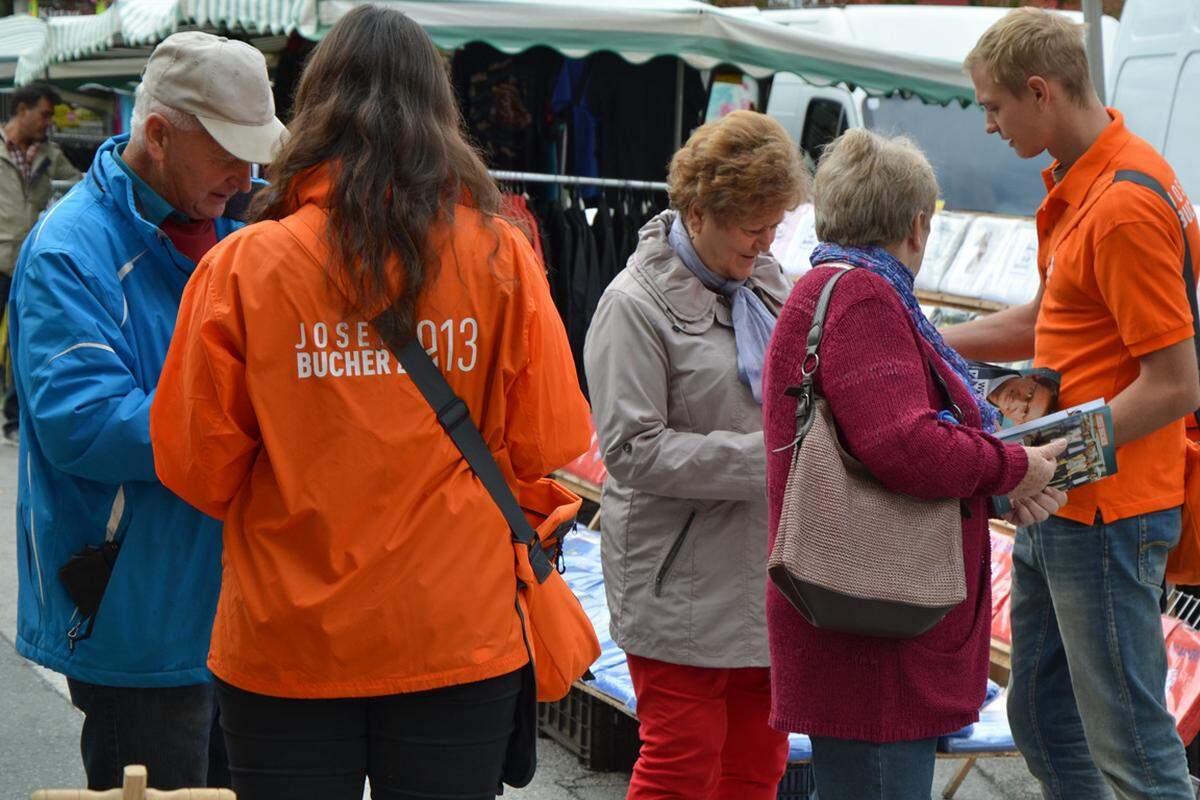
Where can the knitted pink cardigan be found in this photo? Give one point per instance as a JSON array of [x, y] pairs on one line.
[[884, 402]]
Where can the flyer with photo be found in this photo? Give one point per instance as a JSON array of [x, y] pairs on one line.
[[1020, 395], [1090, 455]]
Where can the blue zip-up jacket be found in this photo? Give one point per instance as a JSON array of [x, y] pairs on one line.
[[92, 310]]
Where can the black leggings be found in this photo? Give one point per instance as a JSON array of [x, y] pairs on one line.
[[445, 743]]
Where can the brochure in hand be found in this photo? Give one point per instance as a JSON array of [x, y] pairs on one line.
[[1090, 455], [1020, 394]]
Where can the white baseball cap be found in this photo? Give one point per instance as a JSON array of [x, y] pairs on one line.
[[224, 83]]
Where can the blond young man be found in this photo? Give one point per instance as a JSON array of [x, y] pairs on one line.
[[1113, 315]]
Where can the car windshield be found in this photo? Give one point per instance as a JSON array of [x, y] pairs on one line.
[[976, 171]]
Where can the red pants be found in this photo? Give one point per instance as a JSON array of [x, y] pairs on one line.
[[705, 734]]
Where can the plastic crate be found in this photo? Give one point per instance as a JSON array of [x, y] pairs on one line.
[[797, 783], [605, 738]]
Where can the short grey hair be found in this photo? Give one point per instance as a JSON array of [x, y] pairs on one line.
[[869, 188], [145, 104]]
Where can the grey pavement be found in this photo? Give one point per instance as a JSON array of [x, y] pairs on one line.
[[39, 729]]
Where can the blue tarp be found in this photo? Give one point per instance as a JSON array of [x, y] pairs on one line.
[[582, 552], [583, 575], [990, 735]]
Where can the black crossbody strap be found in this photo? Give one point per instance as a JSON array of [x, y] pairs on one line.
[[1189, 276], [455, 418]]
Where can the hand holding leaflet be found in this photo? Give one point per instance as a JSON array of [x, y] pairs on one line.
[[1043, 462], [1037, 508], [1089, 454]]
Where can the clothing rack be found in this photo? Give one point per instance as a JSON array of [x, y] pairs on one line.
[[574, 180], [527, 177]]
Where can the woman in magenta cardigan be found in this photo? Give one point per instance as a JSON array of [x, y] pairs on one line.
[[875, 707]]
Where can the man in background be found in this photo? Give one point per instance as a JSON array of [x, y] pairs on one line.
[[28, 163]]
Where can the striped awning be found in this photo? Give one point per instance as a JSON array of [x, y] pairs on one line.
[[134, 23], [20, 35], [704, 36], [256, 17]]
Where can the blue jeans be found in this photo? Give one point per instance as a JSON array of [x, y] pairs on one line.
[[1086, 697], [847, 769], [173, 731]]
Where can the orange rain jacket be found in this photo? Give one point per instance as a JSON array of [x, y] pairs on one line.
[[361, 555]]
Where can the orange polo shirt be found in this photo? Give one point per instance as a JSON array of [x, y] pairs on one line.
[[1110, 257]]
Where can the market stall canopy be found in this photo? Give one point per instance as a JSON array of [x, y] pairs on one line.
[[637, 30], [131, 24], [942, 31], [19, 35]]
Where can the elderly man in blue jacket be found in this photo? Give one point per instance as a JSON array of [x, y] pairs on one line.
[[118, 578]]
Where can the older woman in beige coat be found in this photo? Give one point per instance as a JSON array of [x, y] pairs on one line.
[[674, 362]]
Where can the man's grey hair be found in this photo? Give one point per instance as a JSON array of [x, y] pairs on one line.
[[145, 104]]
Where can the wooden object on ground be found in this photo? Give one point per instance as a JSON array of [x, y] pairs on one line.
[[1001, 662], [134, 788]]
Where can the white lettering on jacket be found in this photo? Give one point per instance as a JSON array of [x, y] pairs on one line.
[[343, 350]]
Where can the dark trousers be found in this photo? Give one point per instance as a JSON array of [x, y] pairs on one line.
[[173, 731], [12, 418], [445, 743]]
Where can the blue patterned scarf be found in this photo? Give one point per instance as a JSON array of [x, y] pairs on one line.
[[753, 322], [888, 267]]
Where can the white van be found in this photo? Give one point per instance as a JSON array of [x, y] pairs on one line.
[[977, 172], [1156, 82]]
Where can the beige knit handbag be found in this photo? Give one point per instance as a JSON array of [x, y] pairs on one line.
[[849, 554]]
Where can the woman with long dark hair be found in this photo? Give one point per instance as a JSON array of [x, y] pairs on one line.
[[367, 624]]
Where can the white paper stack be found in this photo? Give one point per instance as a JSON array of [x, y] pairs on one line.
[[996, 261], [1015, 280], [944, 240], [971, 256]]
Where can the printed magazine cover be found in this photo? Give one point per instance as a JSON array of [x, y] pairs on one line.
[[1020, 395], [1090, 455]]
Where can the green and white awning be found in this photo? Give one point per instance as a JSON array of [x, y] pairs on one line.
[[701, 35], [20, 35], [134, 23]]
